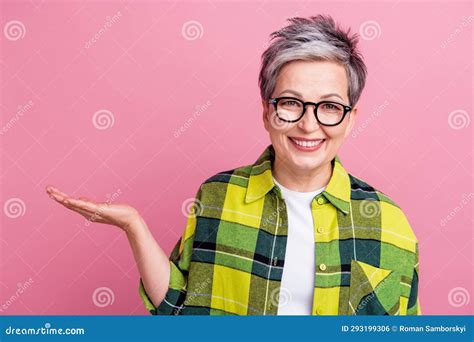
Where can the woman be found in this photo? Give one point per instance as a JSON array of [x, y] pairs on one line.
[[293, 233]]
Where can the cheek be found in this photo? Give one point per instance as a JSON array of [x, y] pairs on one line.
[[278, 137], [335, 133], [278, 132], [335, 137]]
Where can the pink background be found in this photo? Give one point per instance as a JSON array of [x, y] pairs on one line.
[[412, 140]]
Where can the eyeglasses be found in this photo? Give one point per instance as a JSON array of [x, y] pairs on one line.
[[328, 113]]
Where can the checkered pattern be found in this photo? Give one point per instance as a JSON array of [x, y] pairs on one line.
[[230, 258]]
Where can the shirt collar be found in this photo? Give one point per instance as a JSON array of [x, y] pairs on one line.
[[337, 191]]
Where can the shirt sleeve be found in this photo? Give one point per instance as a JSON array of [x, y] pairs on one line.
[[413, 301], [179, 260]]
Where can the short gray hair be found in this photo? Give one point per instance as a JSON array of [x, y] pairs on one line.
[[315, 38]]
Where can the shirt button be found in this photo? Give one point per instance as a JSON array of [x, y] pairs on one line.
[[322, 267], [275, 261], [320, 230], [320, 200]]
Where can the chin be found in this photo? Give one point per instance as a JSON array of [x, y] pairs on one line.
[[306, 162]]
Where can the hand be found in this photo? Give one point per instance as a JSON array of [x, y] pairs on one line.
[[120, 215]]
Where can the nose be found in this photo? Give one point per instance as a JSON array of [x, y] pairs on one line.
[[308, 122]]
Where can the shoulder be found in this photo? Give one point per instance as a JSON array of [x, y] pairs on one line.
[[371, 203], [214, 189], [238, 176]]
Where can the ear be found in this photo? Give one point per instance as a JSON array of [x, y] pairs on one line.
[[265, 108], [352, 120]]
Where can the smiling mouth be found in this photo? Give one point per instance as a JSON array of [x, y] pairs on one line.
[[307, 143]]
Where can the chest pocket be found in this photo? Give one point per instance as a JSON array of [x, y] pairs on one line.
[[373, 290]]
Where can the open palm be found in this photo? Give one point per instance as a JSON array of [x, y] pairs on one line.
[[120, 215]]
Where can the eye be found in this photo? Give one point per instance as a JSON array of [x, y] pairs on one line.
[[290, 103], [331, 107]]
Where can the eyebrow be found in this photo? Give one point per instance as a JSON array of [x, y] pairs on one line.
[[294, 92]]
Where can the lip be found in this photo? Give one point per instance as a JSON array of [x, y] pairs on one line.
[[306, 149]]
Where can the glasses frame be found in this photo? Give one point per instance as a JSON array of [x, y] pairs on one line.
[[275, 101]]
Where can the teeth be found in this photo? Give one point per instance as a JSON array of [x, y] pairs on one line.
[[307, 143]]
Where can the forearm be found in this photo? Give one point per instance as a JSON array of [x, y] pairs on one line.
[[153, 263]]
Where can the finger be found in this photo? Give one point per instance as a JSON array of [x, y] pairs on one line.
[[87, 199], [57, 198], [50, 188], [84, 205], [92, 217], [53, 190], [85, 212]]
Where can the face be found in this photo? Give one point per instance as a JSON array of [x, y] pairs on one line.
[[308, 81]]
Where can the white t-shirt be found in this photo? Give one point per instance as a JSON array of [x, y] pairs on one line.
[[297, 285]]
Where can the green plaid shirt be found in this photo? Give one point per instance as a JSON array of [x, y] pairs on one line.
[[230, 258]]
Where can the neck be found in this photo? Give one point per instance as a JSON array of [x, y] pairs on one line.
[[301, 180]]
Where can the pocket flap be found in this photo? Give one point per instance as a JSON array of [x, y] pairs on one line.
[[373, 290]]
